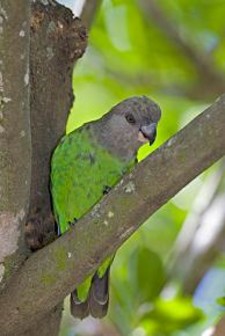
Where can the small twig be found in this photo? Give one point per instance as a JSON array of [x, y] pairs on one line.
[[203, 61], [202, 236], [89, 11]]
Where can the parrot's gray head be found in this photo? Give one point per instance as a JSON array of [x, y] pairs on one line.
[[128, 125]]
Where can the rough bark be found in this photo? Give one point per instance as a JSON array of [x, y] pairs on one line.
[[57, 41], [15, 147], [32, 125], [48, 326], [53, 272]]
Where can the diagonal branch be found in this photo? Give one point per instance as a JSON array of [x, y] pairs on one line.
[[202, 61], [51, 273], [199, 242]]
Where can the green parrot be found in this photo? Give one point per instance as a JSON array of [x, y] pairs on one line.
[[85, 165]]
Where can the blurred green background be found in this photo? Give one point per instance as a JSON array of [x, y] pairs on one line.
[[164, 281]]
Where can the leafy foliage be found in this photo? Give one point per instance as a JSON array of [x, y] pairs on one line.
[[174, 52]]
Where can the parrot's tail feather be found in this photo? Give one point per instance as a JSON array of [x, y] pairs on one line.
[[99, 295], [77, 308]]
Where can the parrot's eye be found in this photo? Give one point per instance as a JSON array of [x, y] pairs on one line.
[[130, 118]]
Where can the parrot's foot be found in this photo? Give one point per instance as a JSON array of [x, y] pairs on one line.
[[77, 308], [106, 190], [73, 222], [97, 302]]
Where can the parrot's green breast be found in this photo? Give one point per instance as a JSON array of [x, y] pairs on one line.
[[81, 171]]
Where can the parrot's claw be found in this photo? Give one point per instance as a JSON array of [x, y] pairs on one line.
[[106, 190], [72, 223]]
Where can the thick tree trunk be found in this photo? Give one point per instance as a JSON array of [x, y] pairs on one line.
[[15, 145], [57, 41], [32, 119]]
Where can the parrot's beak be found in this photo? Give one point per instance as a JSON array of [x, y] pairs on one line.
[[147, 133]]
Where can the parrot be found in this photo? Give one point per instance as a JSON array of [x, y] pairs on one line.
[[85, 165]]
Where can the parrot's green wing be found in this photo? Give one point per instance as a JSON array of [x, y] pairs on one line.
[[81, 171], [88, 162]]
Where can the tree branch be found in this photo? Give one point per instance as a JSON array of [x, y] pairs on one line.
[[200, 240], [89, 11], [53, 272]]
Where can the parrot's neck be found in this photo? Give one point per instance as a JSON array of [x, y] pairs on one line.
[[101, 133]]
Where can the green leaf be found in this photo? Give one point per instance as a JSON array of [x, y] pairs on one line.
[[168, 316]]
